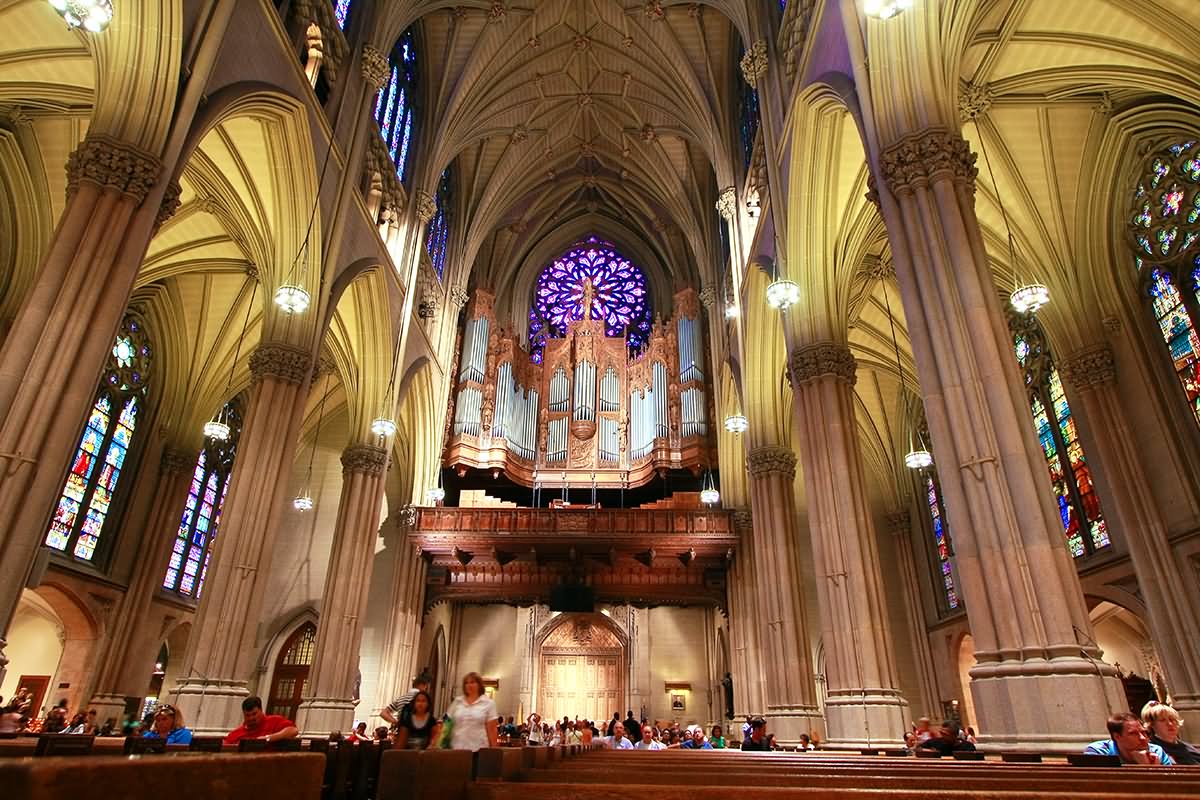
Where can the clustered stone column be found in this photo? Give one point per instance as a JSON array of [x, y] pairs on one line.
[[329, 696], [779, 595], [863, 704], [748, 696], [1172, 603], [60, 339], [900, 525], [1038, 680], [398, 665], [222, 648], [127, 654]]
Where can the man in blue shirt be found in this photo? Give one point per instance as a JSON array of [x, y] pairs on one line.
[[696, 742], [1128, 739], [617, 741]]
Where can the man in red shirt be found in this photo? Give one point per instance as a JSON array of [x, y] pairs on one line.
[[257, 725]]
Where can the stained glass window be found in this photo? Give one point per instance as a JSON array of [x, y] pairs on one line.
[[437, 233], [395, 105], [87, 497], [619, 295], [341, 12], [747, 112], [1070, 476], [941, 541], [192, 550]]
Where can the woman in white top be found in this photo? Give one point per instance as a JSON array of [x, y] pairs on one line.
[[473, 715]]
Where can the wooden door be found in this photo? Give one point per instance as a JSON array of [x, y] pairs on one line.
[[584, 685], [291, 672], [37, 686]]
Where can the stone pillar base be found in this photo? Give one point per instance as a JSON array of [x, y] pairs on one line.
[[321, 716], [788, 722], [1188, 706], [868, 718], [108, 706], [1054, 705], [211, 707]]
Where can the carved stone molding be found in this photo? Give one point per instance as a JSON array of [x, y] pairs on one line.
[[872, 195], [365, 458], [426, 206], [754, 62], [743, 521], [1091, 367], [175, 461], [111, 164], [975, 100], [459, 296], [280, 361], [708, 296], [169, 205], [771, 460], [727, 202], [877, 269], [375, 68], [819, 360], [932, 154], [899, 522]]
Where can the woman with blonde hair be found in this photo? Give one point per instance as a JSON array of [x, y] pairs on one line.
[[472, 717], [1164, 723], [168, 724]]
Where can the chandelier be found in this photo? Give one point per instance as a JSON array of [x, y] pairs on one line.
[[918, 459], [303, 501], [782, 293], [1029, 298], [436, 495], [885, 9], [217, 428], [91, 15], [709, 494], [292, 299], [383, 427], [737, 423]]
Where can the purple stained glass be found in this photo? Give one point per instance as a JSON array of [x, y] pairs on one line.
[[620, 299], [940, 541], [341, 12]]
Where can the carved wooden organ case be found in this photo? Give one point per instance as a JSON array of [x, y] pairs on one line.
[[591, 413]]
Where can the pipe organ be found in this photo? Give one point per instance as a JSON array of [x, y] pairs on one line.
[[592, 413]]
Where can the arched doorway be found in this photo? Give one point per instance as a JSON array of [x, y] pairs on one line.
[[291, 671], [581, 669]]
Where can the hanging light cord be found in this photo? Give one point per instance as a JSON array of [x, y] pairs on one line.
[[317, 433], [313, 214], [1012, 247], [237, 351], [896, 346]]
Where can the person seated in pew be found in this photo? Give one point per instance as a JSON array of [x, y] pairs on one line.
[[757, 740], [717, 739], [617, 741], [1163, 723], [1127, 738], [417, 724], [391, 713], [696, 741], [168, 724], [806, 743], [359, 734], [910, 742], [923, 730], [382, 734], [648, 742], [257, 725], [946, 740]]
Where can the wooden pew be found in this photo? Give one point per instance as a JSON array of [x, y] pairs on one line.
[[283, 776]]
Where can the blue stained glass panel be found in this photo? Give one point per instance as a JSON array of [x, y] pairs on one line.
[[341, 12], [941, 543]]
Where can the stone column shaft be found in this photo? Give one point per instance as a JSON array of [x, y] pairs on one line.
[[329, 694], [1038, 679], [398, 664], [863, 705], [779, 595], [127, 656], [906, 565], [743, 625], [1172, 605], [221, 651]]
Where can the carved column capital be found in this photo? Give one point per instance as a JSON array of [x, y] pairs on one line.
[[426, 206], [877, 269], [975, 101], [727, 202], [375, 68], [281, 361], [365, 458], [175, 461], [819, 360], [459, 296], [169, 205], [743, 521], [754, 62], [1093, 366], [771, 460], [708, 296], [899, 522], [927, 156], [112, 164]]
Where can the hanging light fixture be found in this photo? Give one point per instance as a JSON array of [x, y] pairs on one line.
[[383, 427], [782, 294], [304, 501], [709, 494], [292, 299], [885, 9], [917, 457], [217, 428], [1026, 298], [91, 15], [436, 495], [731, 311], [737, 423]]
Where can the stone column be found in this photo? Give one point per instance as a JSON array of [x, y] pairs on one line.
[[60, 338], [863, 704], [329, 695], [1039, 680], [126, 658], [779, 595], [743, 624], [1172, 604], [398, 664], [222, 649], [900, 524]]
